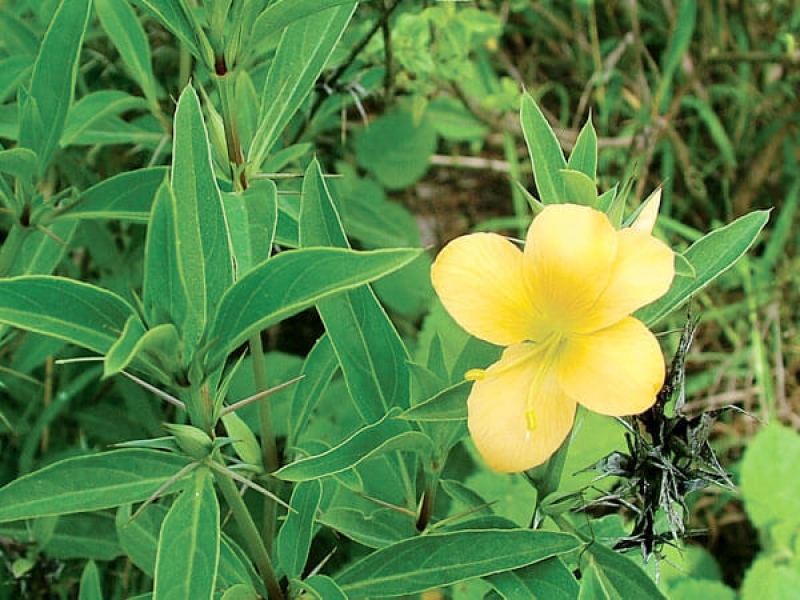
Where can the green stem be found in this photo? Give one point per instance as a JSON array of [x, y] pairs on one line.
[[250, 535], [269, 449], [428, 499]]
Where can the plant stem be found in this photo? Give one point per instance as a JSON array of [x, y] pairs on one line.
[[428, 499], [269, 449], [250, 535]]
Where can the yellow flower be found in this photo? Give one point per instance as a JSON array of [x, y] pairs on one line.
[[562, 309]]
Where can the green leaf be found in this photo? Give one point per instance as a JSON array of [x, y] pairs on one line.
[[20, 163], [252, 218], [612, 576], [202, 238], [188, 546], [769, 579], [770, 488], [711, 255], [93, 108], [450, 404], [14, 70], [299, 59], [164, 293], [371, 354], [377, 529], [321, 587], [127, 197], [578, 187], [546, 580], [182, 24], [396, 149], [70, 310], [437, 559], [87, 483], [282, 13], [387, 434], [40, 253], [245, 444], [583, 157], [139, 538], [240, 591], [124, 349], [545, 151], [45, 110], [289, 283], [89, 535], [130, 39], [318, 370], [90, 583], [17, 34], [294, 538]]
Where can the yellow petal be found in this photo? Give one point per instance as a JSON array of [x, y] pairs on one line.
[[479, 280], [646, 219], [642, 272], [616, 371], [568, 256], [499, 403]]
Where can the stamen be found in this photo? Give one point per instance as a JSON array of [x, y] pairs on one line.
[[475, 375], [531, 420]]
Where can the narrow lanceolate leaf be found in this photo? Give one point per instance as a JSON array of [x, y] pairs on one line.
[[583, 157], [90, 583], [291, 282], [87, 483], [164, 294], [252, 217], [282, 13], [294, 538], [608, 575], [127, 34], [711, 255], [545, 152], [387, 435], [70, 310], [126, 197], [188, 546], [422, 563], [202, 239], [318, 370], [299, 59], [95, 107], [54, 73], [373, 358]]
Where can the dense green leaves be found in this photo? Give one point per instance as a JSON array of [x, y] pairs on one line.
[[87, 483], [437, 559]]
